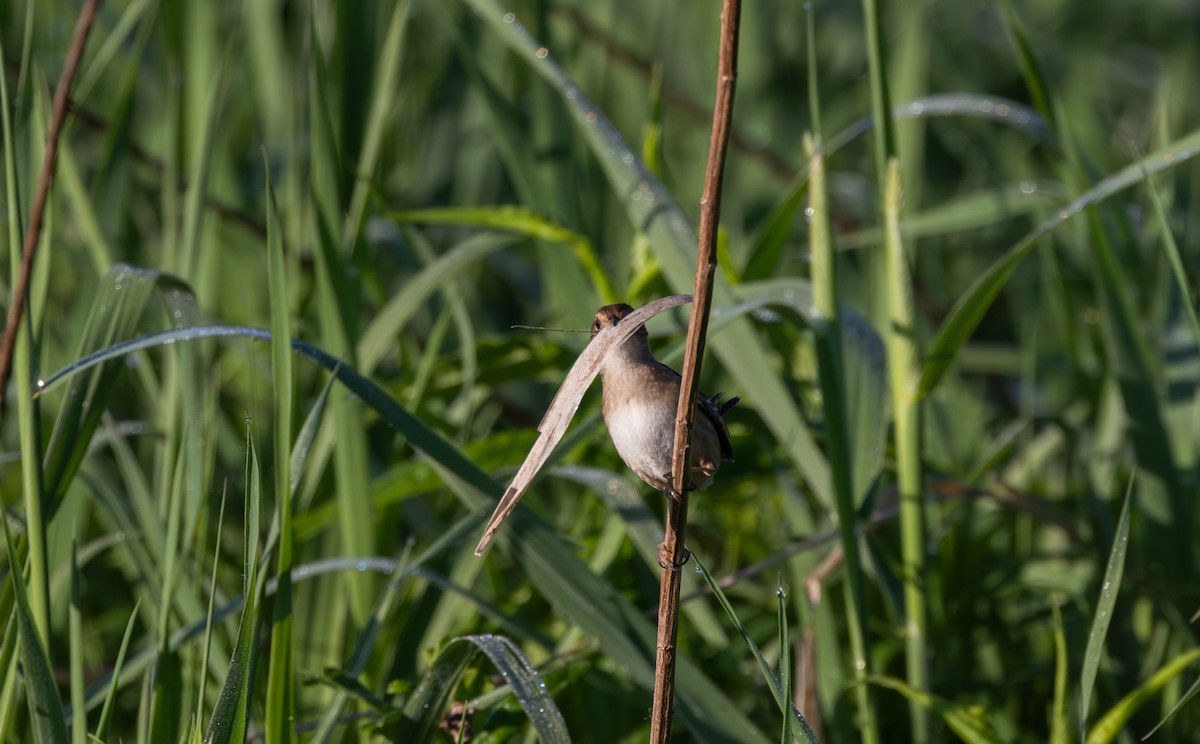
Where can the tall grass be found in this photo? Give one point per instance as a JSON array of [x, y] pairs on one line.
[[1003, 551]]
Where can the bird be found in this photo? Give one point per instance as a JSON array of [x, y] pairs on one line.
[[640, 397]]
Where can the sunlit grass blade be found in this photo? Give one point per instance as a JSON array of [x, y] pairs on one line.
[[522, 221], [903, 371], [1116, 720], [1104, 609], [798, 725], [1184, 699]]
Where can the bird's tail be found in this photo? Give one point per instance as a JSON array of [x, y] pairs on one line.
[[728, 404]]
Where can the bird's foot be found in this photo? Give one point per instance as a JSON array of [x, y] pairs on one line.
[[669, 488], [664, 558]]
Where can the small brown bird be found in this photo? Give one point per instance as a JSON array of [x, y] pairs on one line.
[[640, 400]]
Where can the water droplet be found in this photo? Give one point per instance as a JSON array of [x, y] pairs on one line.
[[542, 52], [40, 384], [361, 566], [509, 17], [1028, 187], [916, 108], [860, 664], [590, 117]]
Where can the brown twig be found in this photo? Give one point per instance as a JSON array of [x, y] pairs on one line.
[[58, 114], [673, 552]]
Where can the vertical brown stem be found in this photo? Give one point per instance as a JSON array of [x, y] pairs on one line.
[[672, 552], [58, 115]]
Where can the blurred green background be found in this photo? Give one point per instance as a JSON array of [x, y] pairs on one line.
[[442, 170]]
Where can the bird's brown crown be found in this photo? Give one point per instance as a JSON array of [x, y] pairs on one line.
[[609, 315]]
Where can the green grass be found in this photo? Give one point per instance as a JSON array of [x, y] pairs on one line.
[[1010, 450]]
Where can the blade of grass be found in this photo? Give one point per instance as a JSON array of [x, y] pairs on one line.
[[904, 371], [106, 713], [337, 302], [380, 335], [1116, 720], [75, 632], [778, 689], [281, 696], [41, 692], [230, 717], [426, 705], [387, 84], [1060, 727], [1104, 610], [785, 666], [833, 395], [1184, 699], [521, 221], [966, 721]]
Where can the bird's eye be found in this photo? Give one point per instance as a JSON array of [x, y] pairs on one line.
[[596, 324]]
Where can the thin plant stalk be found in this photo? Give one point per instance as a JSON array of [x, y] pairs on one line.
[[672, 552], [902, 368], [906, 417], [829, 361]]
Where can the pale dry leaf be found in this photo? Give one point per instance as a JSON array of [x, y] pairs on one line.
[[566, 401]]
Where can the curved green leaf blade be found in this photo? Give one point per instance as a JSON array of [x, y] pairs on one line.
[[1104, 609], [1117, 718]]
